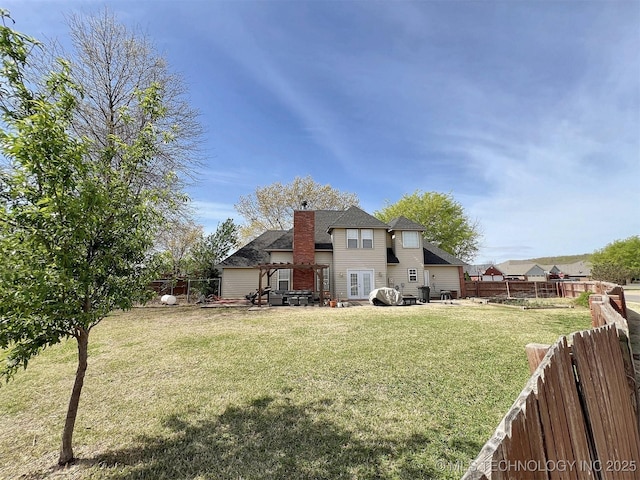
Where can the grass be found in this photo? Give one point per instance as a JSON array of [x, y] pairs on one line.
[[289, 393]]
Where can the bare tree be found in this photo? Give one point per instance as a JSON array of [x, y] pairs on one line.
[[112, 64], [177, 243], [271, 207]]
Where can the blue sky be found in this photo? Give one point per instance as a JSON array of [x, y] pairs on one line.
[[527, 112]]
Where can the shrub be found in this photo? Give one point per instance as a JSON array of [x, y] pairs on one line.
[[583, 299]]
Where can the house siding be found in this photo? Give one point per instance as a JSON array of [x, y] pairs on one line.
[[238, 282], [345, 259], [281, 257], [409, 258], [536, 278], [536, 274], [446, 278]]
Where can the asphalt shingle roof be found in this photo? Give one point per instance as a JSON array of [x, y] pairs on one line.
[[436, 256], [403, 223], [355, 217], [391, 258], [323, 218], [254, 252], [478, 269], [518, 268], [258, 250]]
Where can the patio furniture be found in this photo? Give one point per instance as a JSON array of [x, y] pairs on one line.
[[409, 300]]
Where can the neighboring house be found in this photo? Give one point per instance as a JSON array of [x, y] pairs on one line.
[[518, 270], [580, 270], [361, 253], [484, 273], [533, 272]]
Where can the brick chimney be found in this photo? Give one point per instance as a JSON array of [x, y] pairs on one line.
[[304, 248]]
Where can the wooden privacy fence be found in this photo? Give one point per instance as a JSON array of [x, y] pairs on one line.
[[513, 288], [577, 417], [522, 288]]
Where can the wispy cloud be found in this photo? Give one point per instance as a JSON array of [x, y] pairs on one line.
[[210, 214], [528, 113]]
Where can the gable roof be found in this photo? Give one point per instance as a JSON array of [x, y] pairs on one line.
[[479, 269], [436, 256], [323, 218], [258, 250], [355, 217], [403, 223], [580, 268], [520, 268], [254, 252], [283, 243]]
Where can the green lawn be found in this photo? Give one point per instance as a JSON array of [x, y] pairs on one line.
[[285, 393]]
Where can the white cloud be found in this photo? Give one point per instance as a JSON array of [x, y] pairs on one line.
[[210, 214]]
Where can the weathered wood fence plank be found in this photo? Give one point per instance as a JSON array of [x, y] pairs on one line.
[[577, 418]]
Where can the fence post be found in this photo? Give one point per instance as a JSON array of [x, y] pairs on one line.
[[535, 354]]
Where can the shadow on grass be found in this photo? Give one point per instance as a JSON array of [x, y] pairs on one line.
[[269, 439]]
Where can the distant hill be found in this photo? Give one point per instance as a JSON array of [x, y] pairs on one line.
[[560, 260]]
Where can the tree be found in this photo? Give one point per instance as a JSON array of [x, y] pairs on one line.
[[213, 248], [447, 225], [618, 262], [112, 63], [271, 207], [74, 229], [177, 243]]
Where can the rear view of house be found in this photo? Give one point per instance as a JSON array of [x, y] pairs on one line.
[[353, 253]]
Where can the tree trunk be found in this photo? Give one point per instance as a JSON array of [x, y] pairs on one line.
[[66, 452]]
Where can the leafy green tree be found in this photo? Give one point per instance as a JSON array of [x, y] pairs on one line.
[[214, 248], [610, 272], [618, 262], [74, 230], [447, 225], [271, 207]]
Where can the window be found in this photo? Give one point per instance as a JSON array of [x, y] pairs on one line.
[[367, 238], [413, 274], [411, 239], [325, 280], [359, 238], [352, 238], [283, 279]]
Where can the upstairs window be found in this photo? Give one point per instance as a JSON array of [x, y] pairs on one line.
[[367, 238], [411, 239], [352, 238], [359, 238]]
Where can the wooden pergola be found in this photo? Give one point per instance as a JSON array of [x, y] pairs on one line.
[[268, 269]]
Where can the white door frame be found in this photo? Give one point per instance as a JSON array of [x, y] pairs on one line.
[[427, 278], [361, 274]]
